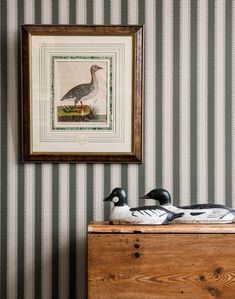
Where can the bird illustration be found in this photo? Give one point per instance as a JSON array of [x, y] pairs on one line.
[[197, 213], [121, 213], [83, 92]]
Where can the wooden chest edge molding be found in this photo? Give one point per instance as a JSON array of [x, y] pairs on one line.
[[105, 227]]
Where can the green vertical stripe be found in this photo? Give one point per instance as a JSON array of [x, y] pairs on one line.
[[89, 197], [72, 231], [72, 11], [90, 167], [176, 101], [38, 202], [107, 179], [38, 11], [3, 146], [38, 231], [55, 231], [72, 198], [124, 12], [55, 199], [80, 252], [211, 100], [89, 10], [141, 179], [107, 12], [21, 233], [158, 86], [21, 192], [228, 102], [124, 167], [55, 11], [124, 177], [90, 188], [107, 171], [193, 102]]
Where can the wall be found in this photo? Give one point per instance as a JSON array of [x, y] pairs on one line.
[[189, 136]]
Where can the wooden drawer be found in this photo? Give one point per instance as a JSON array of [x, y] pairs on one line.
[[175, 261]]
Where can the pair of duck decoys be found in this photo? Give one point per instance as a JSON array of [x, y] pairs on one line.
[[165, 212]]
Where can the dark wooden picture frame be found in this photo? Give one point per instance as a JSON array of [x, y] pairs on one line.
[[33, 120]]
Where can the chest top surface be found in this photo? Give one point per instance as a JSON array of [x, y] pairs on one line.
[[105, 227]]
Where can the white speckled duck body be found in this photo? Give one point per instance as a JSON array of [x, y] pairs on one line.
[[198, 213], [121, 213]]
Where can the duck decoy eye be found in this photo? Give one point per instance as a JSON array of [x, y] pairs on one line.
[[115, 199]]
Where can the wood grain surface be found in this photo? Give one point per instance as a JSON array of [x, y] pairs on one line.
[[105, 227], [187, 266]]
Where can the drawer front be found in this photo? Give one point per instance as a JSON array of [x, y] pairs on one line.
[[187, 266]]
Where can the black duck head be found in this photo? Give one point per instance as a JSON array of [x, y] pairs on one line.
[[118, 197], [159, 194]]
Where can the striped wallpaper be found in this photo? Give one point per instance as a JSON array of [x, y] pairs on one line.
[[189, 136]]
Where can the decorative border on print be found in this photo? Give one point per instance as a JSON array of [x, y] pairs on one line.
[[82, 58]]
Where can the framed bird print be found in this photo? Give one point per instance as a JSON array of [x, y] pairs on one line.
[[82, 93]]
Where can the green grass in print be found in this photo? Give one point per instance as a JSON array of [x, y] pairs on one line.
[[79, 113]]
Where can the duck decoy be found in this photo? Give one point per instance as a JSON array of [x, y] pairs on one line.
[[196, 213], [121, 213], [84, 92]]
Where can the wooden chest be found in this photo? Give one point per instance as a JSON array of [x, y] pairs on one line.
[[173, 261]]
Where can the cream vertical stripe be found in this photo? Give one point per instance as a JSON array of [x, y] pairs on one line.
[[81, 229], [63, 11], [46, 11], [133, 169], [150, 98], [185, 102], [29, 199], [98, 191], [63, 229], [29, 11], [29, 230], [116, 12], [46, 230], [167, 95], [133, 193], [12, 152], [132, 12], [115, 169], [81, 11], [46, 199], [202, 101], [115, 176], [64, 197], [219, 102], [98, 12]]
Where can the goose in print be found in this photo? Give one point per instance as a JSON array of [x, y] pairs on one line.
[[197, 213], [86, 91], [121, 213]]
